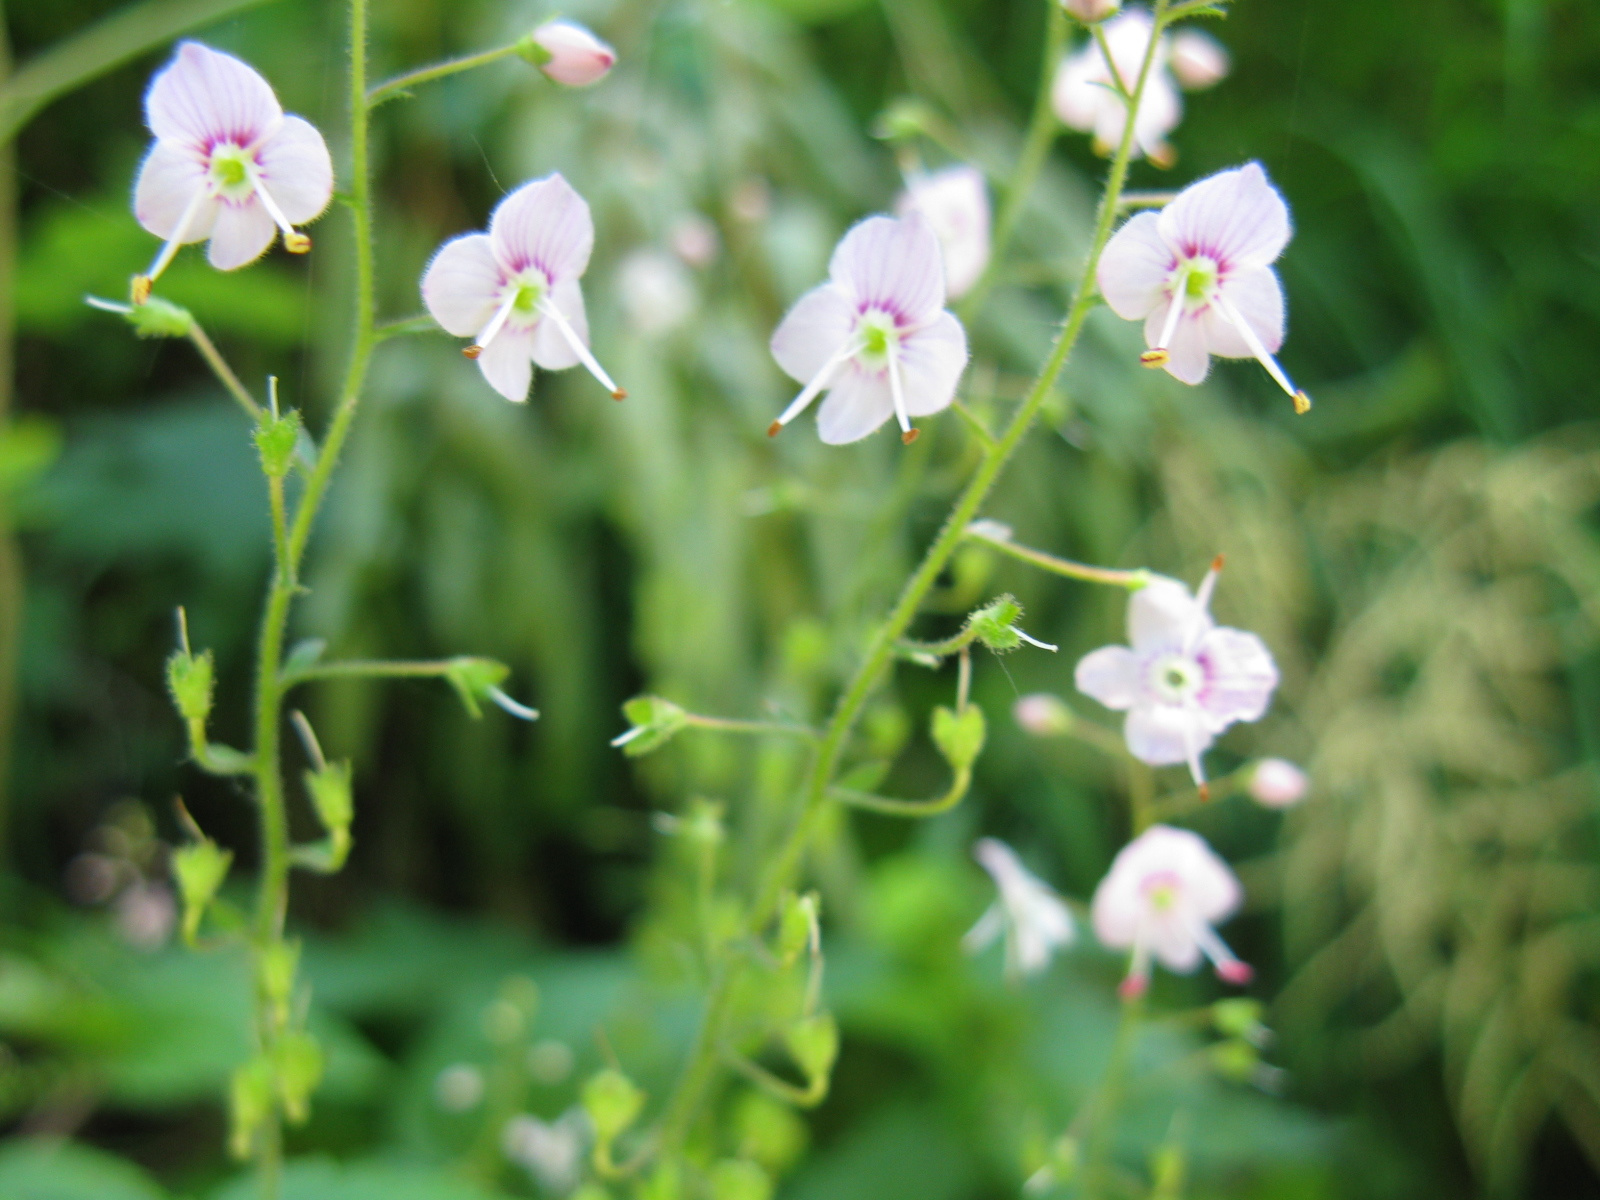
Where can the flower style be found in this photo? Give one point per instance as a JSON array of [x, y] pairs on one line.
[[515, 290], [1088, 97], [1184, 680], [576, 57], [1164, 893], [956, 203], [875, 337], [227, 164], [1033, 918], [1199, 275]]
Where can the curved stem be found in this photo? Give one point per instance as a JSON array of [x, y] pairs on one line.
[[1097, 1158], [1131, 580], [757, 728], [390, 88], [371, 669], [907, 808], [220, 368]]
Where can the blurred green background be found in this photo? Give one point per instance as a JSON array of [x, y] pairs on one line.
[[1420, 553]]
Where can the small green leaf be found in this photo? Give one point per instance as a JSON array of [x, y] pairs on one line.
[[612, 1102], [959, 735]]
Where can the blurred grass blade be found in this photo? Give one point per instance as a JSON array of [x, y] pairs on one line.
[[76, 60]]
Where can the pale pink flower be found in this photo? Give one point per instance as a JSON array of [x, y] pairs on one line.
[[1277, 783], [1183, 679], [1084, 93], [657, 292], [955, 202], [876, 336], [227, 164], [695, 240], [577, 57], [515, 290], [1199, 275], [1035, 921], [1091, 11], [1042, 715], [1165, 892], [1198, 59]]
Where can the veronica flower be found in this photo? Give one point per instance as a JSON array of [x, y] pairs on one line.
[[1032, 917], [514, 290], [875, 337], [1086, 95], [955, 202], [1199, 275], [1277, 783], [1183, 679], [1164, 893], [227, 164]]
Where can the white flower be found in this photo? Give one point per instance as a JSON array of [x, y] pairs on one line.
[[458, 1087], [695, 240], [875, 337], [1278, 783], [1164, 893], [1042, 715], [1091, 11], [1198, 59], [551, 1151], [227, 164], [657, 292], [577, 57], [1199, 275], [1085, 96], [1032, 917], [515, 290], [955, 202], [1184, 680]]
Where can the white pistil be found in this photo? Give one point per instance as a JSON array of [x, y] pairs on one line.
[[511, 706], [818, 383], [495, 325], [907, 434], [143, 283], [548, 308], [1302, 402], [1033, 641], [294, 241]]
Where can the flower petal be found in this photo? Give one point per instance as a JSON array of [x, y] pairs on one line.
[[858, 403], [168, 181], [544, 224], [813, 331], [1162, 616], [1236, 217], [1172, 942], [1134, 268], [460, 284], [1258, 298], [241, 235], [931, 362], [1109, 675], [295, 167], [206, 96], [1163, 734], [507, 364], [894, 265], [1188, 357], [955, 201], [551, 350], [1080, 90], [1240, 676]]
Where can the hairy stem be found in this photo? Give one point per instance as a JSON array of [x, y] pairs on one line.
[[390, 88]]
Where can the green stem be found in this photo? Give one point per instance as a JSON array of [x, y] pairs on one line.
[[1097, 1158], [371, 669], [907, 808], [758, 728], [390, 88], [1035, 149], [220, 368], [11, 582], [1131, 580]]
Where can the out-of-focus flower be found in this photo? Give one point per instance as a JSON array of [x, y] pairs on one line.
[[1198, 59], [515, 289], [551, 1151], [577, 57], [751, 200], [1031, 916], [955, 202], [1091, 11], [145, 914], [1199, 275], [550, 1061], [694, 239], [876, 336], [1086, 96], [1182, 680], [227, 164], [1164, 893], [1042, 714], [1278, 783], [657, 293], [458, 1087]]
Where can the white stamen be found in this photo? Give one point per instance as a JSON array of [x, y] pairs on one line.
[[512, 707], [294, 241], [1032, 641], [1193, 754], [818, 384], [1231, 314], [164, 258], [549, 309], [897, 391], [1174, 311], [495, 325], [622, 739]]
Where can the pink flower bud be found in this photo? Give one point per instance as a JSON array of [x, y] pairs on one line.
[[1042, 715], [1278, 783], [1091, 12], [577, 57], [1198, 59]]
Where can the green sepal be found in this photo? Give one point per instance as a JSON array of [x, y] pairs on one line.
[[959, 735], [330, 796], [473, 679], [993, 624], [251, 1101], [613, 1103], [797, 921], [160, 318], [277, 439], [199, 868], [739, 1179], [653, 722], [529, 49], [813, 1042], [297, 1058], [191, 679]]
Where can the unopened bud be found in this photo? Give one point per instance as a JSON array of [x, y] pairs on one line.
[[797, 927], [959, 735], [768, 1131], [330, 796], [568, 53], [298, 1061], [190, 677], [1198, 59], [1278, 783], [612, 1102], [1241, 1018], [276, 441], [994, 624], [1043, 715], [1235, 1060], [199, 868], [1091, 12], [653, 722]]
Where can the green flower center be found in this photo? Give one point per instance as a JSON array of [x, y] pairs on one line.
[[528, 296], [229, 169], [1199, 280]]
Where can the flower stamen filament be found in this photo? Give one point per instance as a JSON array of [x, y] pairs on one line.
[[294, 241], [907, 433], [495, 325], [585, 356], [818, 384], [1302, 402], [143, 283]]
